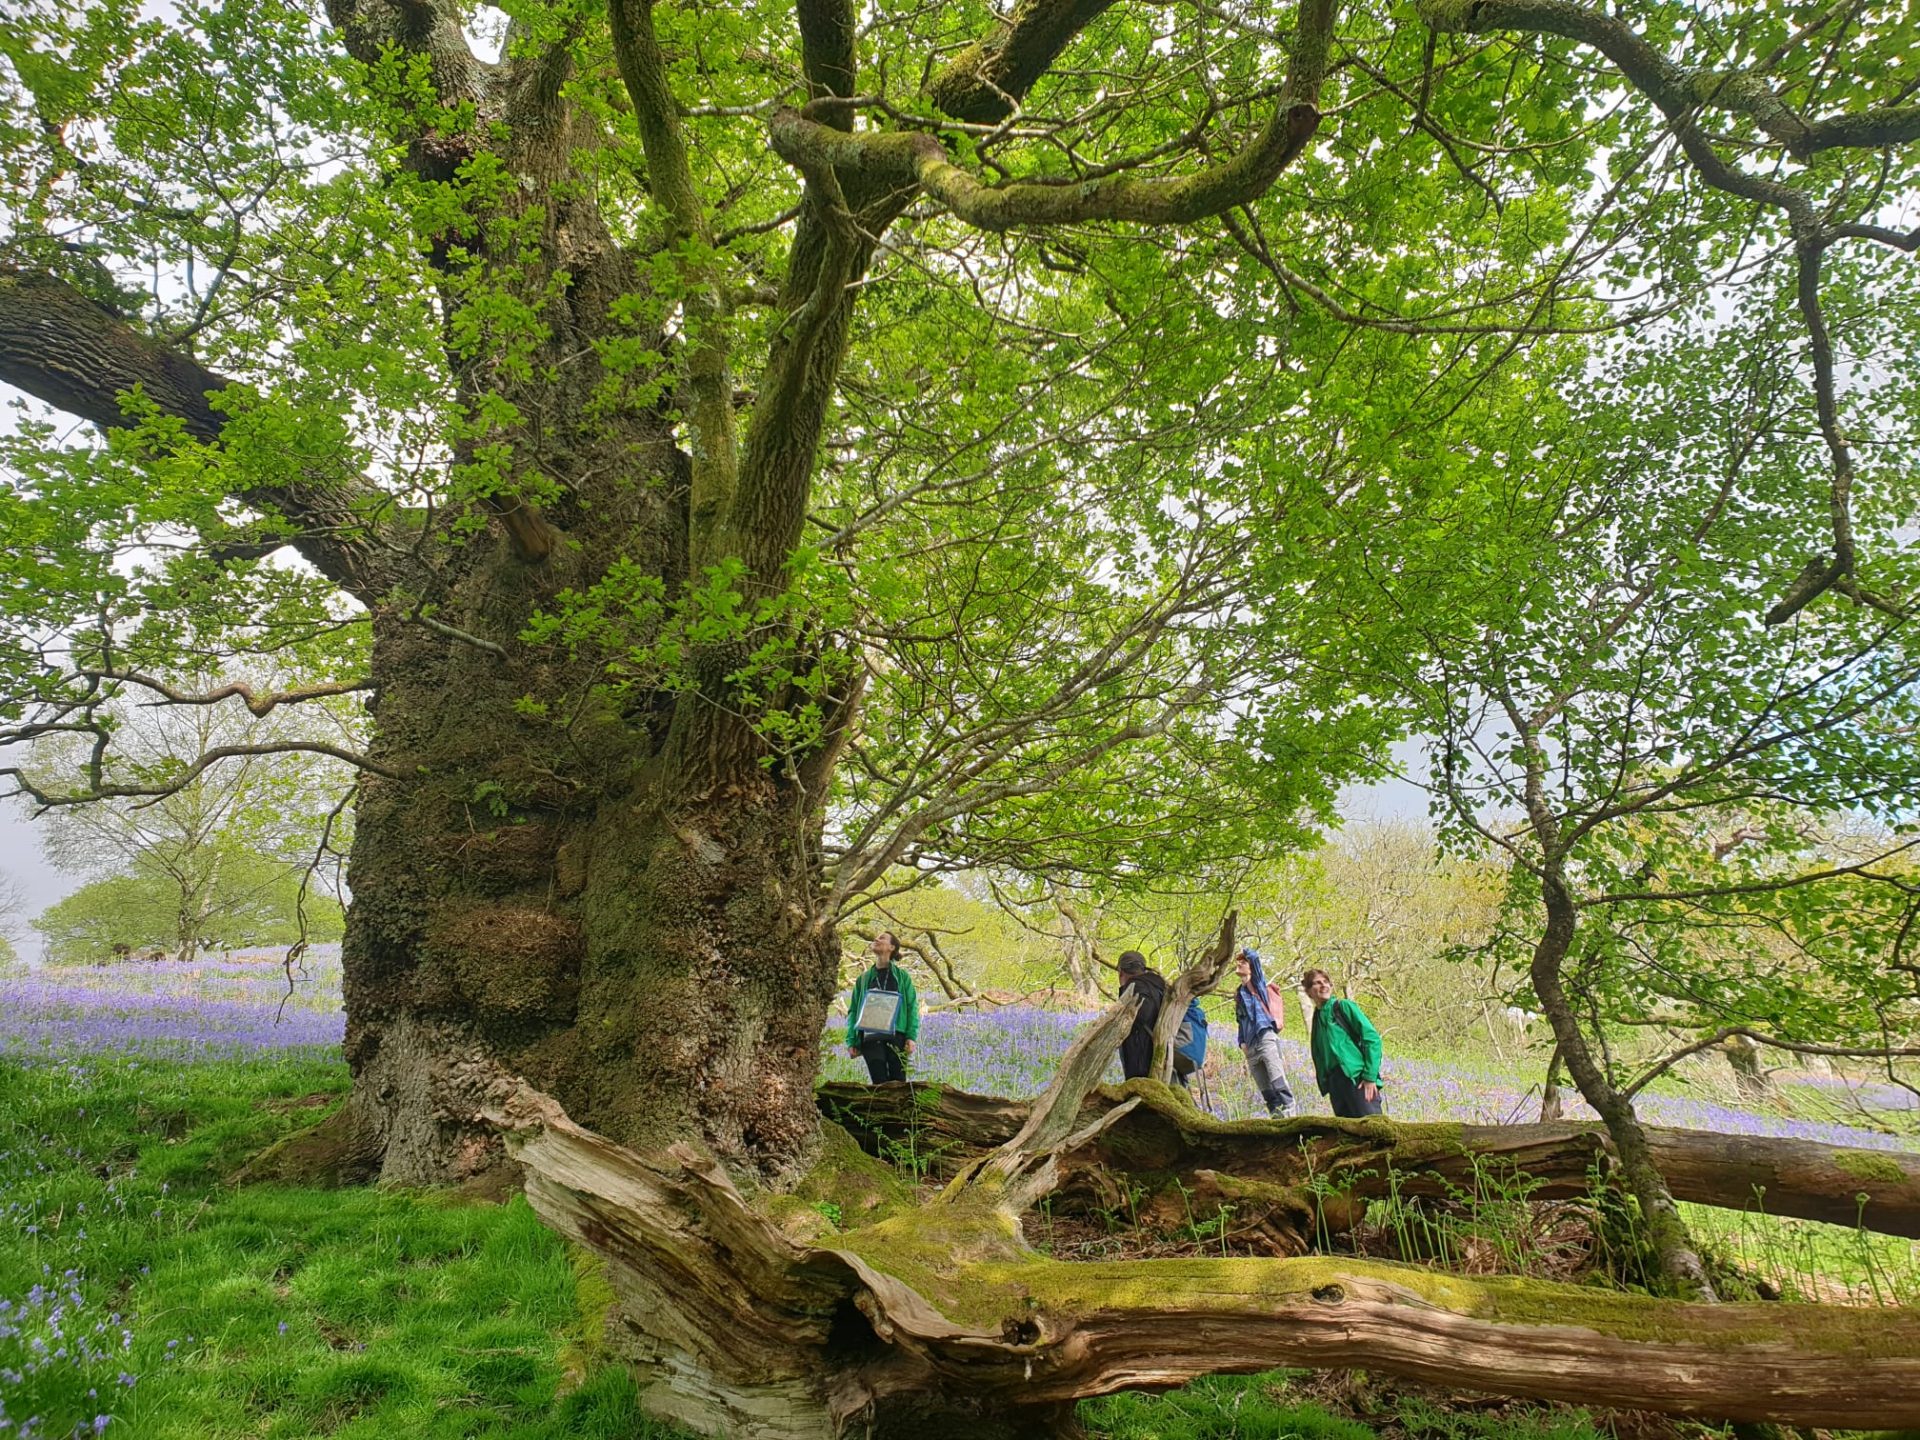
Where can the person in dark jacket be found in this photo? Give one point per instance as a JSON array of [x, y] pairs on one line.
[[1136, 1051], [1346, 1050], [884, 1047]]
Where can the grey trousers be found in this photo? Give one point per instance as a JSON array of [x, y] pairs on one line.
[[1269, 1078]]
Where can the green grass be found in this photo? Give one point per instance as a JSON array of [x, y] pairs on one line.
[[1809, 1260], [1252, 1407], [269, 1312], [273, 1313]]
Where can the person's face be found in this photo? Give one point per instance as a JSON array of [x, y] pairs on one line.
[[882, 950], [1245, 967], [1319, 990]]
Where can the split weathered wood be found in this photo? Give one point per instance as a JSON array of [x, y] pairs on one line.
[[1197, 979], [1025, 1166]]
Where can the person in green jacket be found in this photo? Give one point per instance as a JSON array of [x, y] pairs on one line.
[[1346, 1050], [883, 1033]]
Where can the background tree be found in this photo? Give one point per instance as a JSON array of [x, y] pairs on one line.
[[1649, 754], [11, 914], [1378, 906], [247, 900], [220, 857]]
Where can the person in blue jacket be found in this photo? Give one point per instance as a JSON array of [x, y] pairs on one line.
[[1258, 1014], [884, 1047]]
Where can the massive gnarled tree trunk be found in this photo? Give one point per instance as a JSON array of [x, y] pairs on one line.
[[616, 894], [643, 951]]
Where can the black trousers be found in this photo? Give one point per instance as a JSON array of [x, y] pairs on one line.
[[1348, 1102], [884, 1058]]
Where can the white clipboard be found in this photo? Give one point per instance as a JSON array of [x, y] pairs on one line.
[[878, 1010]]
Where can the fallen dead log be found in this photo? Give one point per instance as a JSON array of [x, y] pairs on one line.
[[938, 1318], [1165, 1136]]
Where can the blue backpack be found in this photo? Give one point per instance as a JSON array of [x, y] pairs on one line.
[[1190, 1040]]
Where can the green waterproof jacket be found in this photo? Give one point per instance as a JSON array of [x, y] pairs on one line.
[[906, 1020], [1344, 1040]]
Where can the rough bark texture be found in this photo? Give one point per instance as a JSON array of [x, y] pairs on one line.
[[940, 1320], [1164, 1138], [565, 898]]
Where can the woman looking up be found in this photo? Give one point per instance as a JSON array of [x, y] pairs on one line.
[[883, 1019], [1258, 1012], [1346, 1050]]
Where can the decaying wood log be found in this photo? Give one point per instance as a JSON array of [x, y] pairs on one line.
[[940, 1320], [1164, 1135]]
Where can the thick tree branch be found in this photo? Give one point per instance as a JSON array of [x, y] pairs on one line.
[[1907, 240], [50, 800], [258, 704], [428, 28], [1164, 1137], [914, 158], [1822, 575], [466, 86], [986, 80], [61, 347], [716, 462], [827, 52]]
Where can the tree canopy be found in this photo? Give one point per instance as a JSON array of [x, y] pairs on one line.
[[1200, 403]]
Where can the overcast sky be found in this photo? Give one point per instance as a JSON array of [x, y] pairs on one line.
[[21, 861]]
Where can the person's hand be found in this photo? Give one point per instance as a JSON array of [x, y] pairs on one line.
[[1369, 1091], [909, 1047], [853, 1052]]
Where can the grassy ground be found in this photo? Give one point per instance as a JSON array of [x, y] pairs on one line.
[[141, 1295], [144, 1297]]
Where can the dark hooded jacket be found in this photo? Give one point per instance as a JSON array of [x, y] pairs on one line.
[[1136, 1051]]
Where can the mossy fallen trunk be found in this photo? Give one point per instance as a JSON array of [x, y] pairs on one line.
[[1164, 1138], [939, 1319]]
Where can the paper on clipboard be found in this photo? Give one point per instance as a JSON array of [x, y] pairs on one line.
[[878, 1009]]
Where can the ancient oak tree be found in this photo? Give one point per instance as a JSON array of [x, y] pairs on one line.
[[755, 457]]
